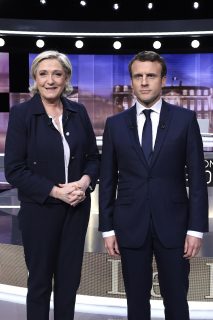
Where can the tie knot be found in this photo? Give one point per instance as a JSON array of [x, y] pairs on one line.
[[147, 113]]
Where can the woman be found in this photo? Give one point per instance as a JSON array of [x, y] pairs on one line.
[[52, 159]]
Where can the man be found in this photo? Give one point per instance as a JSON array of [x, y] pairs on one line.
[[144, 206]]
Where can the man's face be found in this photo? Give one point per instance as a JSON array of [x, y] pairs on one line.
[[147, 81]]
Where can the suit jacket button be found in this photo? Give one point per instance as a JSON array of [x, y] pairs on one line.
[[34, 162], [73, 157], [67, 133]]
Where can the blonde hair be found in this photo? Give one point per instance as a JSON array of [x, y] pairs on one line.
[[64, 61]]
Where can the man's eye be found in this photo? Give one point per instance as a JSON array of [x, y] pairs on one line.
[[151, 76], [138, 77]]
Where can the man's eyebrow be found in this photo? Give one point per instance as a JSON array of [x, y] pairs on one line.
[[145, 74]]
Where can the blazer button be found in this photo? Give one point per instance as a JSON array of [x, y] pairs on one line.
[[72, 157], [67, 133], [34, 162]]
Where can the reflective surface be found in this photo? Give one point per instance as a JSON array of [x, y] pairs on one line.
[[14, 311]]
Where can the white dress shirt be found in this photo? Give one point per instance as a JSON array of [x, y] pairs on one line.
[[155, 116]]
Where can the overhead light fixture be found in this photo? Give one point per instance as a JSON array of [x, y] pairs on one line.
[[117, 45], [157, 44], [79, 44], [83, 3], [150, 5], [40, 43], [2, 42], [116, 6], [196, 5], [195, 44], [43, 1]]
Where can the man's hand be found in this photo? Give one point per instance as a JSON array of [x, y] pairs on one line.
[[192, 246], [111, 245]]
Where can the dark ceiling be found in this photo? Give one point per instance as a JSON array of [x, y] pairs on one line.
[[99, 10], [61, 22]]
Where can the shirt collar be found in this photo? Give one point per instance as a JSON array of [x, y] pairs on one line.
[[156, 107]]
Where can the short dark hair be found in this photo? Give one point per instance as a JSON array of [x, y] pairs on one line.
[[149, 56]]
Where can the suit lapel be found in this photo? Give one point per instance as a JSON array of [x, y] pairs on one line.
[[164, 122], [132, 128]]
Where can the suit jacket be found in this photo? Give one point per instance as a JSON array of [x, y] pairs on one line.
[[132, 191], [34, 155]]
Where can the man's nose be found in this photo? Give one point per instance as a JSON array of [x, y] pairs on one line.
[[144, 81]]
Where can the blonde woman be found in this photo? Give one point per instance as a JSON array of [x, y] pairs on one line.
[[52, 159]]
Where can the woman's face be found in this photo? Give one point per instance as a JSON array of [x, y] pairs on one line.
[[50, 79]]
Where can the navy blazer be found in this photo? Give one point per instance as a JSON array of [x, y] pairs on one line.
[[34, 155], [132, 192]]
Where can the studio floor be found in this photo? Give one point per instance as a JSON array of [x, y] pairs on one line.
[[15, 311]]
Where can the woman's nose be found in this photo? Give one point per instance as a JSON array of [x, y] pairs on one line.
[[50, 79]]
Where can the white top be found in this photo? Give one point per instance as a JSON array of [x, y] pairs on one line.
[[65, 146]]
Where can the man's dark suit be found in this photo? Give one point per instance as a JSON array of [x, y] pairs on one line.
[[134, 195], [53, 231]]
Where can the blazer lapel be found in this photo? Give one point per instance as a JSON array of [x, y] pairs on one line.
[[164, 122], [132, 128]]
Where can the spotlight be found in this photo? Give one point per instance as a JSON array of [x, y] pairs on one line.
[[117, 45], [2, 42], [116, 6], [79, 44], [150, 5], [40, 43], [195, 44], [196, 5], [157, 44], [43, 1], [83, 3]]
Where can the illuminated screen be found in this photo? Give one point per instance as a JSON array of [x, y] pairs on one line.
[[4, 96], [102, 83]]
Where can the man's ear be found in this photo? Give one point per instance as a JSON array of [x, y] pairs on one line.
[[163, 81]]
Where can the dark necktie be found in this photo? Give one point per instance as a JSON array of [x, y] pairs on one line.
[[147, 135]]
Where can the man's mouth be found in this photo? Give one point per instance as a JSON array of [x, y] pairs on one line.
[[145, 91]]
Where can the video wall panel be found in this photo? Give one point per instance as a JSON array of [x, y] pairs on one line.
[[102, 83]]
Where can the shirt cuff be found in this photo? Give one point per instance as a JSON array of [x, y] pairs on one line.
[[189, 232], [108, 233], [195, 234]]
